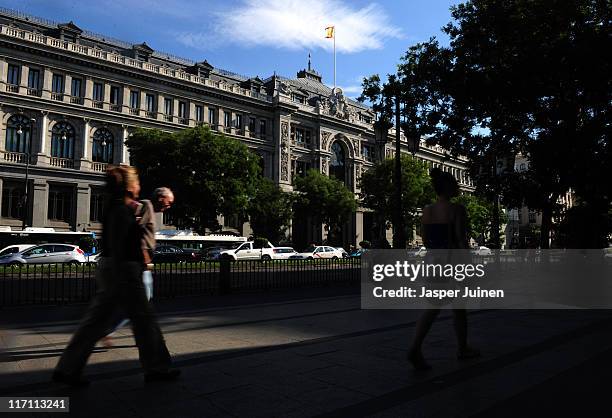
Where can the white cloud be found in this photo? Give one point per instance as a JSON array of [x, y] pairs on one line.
[[353, 90], [296, 24]]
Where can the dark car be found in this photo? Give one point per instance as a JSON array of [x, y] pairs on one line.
[[172, 254]]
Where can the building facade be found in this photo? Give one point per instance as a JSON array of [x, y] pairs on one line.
[[70, 98]]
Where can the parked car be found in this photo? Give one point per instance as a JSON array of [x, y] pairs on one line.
[[212, 253], [46, 254], [358, 252], [345, 254], [321, 251], [283, 253], [11, 249], [248, 251], [482, 251], [172, 254]]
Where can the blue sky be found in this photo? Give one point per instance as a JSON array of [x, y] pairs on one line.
[[258, 37]]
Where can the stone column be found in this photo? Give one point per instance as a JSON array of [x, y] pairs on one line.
[[47, 75], [125, 101], [42, 156], [88, 93], [3, 72], [124, 154], [67, 88], [191, 113], [1, 188], [83, 196], [84, 160], [358, 227], [160, 107], [25, 71], [107, 91], [175, 105], [40, 197], [2, 129], [284, 153]]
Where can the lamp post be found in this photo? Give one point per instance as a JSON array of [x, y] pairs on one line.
[[381, 135], [28, 150]]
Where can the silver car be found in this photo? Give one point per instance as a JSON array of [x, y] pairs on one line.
[[46, 254]]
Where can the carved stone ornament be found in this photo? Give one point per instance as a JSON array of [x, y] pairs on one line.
[[324, 165], [325, 139], [284, 168], [284, 134], [356, 146]]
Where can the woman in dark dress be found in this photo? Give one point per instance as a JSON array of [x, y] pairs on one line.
[[444, 226], [119, 278]]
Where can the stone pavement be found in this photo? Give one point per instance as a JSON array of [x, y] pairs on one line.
[[316, 353]]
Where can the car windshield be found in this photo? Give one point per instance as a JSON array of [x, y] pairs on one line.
[[310, 249]]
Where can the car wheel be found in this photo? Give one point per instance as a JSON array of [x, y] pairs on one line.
[[266, 257], [309, 258], [335, 257], [14, 265], [74, 263]]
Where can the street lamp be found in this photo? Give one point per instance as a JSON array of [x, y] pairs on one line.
[[28, 152], [381, 135]]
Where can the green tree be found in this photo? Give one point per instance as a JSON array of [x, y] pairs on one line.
[[327, 200], [377, 192], [210, 174], [270, 211], [528, 76], [480, 217]]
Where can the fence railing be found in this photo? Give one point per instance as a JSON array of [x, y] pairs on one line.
[[45, 284]]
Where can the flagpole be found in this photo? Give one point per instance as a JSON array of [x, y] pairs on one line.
[[334, 58]]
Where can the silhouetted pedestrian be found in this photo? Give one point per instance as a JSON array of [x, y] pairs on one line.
[[120, 277]]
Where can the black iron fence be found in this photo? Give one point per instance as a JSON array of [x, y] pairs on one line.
[[67, 284]]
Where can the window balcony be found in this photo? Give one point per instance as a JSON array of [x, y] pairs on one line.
[[15, 157], [115, 108], [97, 104], [168, 118], [12, 88], [61, 162], [76, 100], [33, 92], [134, 111], [184, 121], [100, 167], [151, 115], [57, 96]]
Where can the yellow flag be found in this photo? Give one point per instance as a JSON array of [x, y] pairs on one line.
[[329, 32]]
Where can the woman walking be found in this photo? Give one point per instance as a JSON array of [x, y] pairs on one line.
[[444, 226], [119, 277]]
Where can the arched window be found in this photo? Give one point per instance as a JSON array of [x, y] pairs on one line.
[[102, 150], [337, 167], [18, 134], [62, 140]]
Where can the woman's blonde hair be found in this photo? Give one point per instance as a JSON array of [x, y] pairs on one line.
[[119, 179]]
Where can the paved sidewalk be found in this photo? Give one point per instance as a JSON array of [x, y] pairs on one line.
[[310, 353]]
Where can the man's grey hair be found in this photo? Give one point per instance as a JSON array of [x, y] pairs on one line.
[[162, 192]]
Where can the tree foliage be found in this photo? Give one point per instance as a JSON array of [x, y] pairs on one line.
[[327, 200], [377, 192], [210, 174], [528, 76], [480, 216], [270, 211]]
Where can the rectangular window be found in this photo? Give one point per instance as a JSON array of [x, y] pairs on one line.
[[182, 110], [252, 124], [368, 152], [12, 201], [238, 122], [34, 79], [150, 103], [199, 113], [262, 127], [57, 83], [60, 204], [96, 205], [115, 95], [228, 119], [134, 99], [168, 106], [13, 75], [75, 90], [211, 116], [98, 92]]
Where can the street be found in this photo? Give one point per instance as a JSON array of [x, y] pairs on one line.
[[315, 352]]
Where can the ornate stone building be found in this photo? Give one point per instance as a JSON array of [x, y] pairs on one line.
[[69, 99]]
